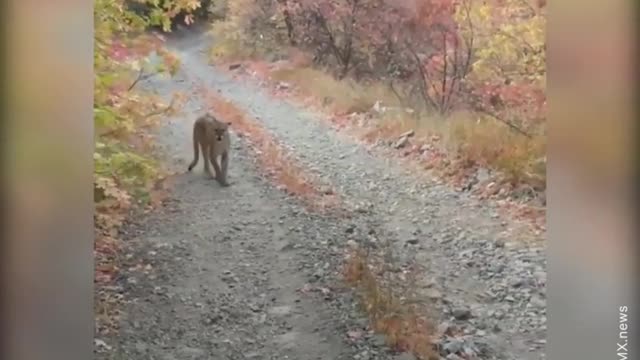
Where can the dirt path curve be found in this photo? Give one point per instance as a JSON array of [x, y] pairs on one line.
[[228, 262]]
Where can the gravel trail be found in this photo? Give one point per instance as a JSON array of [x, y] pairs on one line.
[[229, 261]]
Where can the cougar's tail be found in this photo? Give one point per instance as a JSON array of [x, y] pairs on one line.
[[196, 153]]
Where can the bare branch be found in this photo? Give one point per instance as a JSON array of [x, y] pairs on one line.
[[160, 111], [511, 125], [444, 68], [423, 77], [141, 77]]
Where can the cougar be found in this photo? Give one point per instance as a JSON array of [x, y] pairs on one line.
[[212, 136]]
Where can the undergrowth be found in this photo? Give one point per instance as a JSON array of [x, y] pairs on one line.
[[343, 97], [466, 138], [239, 35]]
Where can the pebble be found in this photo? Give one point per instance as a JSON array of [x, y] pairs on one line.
[[413, 241], [461, 314], [452, 345], [433, 294]]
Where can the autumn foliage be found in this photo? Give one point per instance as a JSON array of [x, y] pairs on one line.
[[466, 53], [438, 57], [124, 172]]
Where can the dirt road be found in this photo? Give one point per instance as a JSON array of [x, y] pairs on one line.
[[228, 264]]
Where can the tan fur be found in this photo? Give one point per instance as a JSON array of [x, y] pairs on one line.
[[212, 137]]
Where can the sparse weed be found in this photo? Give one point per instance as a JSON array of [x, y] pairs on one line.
[[402, 321]]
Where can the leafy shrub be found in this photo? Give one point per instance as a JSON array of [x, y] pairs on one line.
[[120, 111]]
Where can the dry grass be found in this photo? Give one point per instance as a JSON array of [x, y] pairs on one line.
[[272, 157], [402, 322], [231, 43], [491, 144], [469, 142], [231, 50], [341, 96], [393, 124]]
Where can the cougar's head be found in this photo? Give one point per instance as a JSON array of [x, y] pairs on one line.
[[221, 129]]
